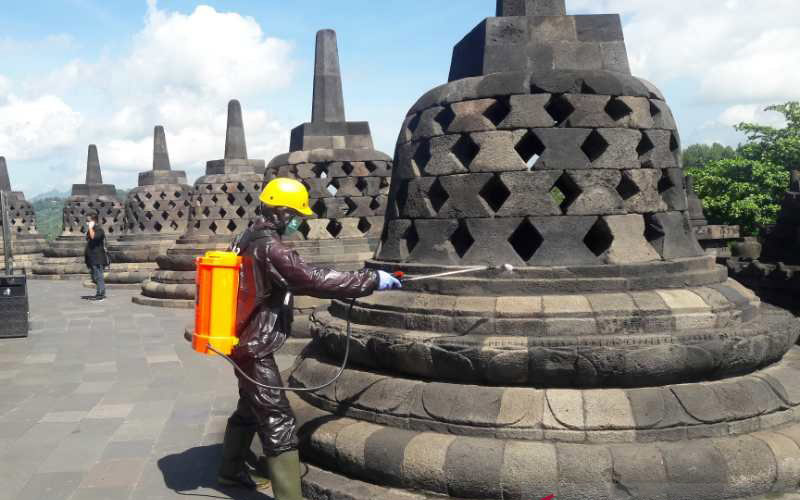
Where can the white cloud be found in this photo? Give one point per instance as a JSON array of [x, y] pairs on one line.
[[5, 87], [35, 128], [752, 113], [739, 52], [179, 71]]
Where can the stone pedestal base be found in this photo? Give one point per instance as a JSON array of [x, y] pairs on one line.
[[729, 439], [63, 259], [716, 240], [777, 284], [58, 268]]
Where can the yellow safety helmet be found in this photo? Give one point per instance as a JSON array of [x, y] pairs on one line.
[[285, 192]]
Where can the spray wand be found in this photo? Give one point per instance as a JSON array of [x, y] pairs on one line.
[[397, 274]]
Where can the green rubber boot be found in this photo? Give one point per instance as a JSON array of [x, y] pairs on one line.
[[284, 471], [233, 470]]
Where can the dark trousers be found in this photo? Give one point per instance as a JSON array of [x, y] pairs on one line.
[[267, 411], [99, 280]]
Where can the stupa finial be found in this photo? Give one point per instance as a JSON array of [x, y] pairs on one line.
[[5, 182], [235, 145], [328, 105], [507, 8], [160, 153], [93, 174]]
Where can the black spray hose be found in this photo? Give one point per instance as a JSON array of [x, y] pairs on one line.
[[300, 389]]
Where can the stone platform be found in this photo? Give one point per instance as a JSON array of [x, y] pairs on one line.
[[107, 401]]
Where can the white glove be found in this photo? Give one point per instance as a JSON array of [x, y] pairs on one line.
[[387, 281]]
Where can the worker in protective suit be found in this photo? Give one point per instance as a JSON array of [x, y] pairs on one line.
[[270, 276]]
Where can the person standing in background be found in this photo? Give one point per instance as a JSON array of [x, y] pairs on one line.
[[96, 257]]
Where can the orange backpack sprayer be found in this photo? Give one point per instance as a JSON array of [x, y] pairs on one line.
[[215, 303]]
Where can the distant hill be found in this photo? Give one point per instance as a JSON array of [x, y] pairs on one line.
[[51, 194]]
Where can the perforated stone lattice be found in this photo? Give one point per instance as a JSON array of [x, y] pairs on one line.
[[559, 178], [21, 217], [111, 215], [348, 198], [158, 209], [223, 205]]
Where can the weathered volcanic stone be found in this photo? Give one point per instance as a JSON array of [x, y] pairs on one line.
[[715, 239], [27, 244], [64, 258], [615, 360], [347, 179], [775, 275], [156, 214], [223, 203]]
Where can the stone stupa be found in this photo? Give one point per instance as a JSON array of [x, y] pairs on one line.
[[615, 361], [156, 215], [65, 257], [775, 274], [714, 238], [224, 203], [27, 244], [347, 179]]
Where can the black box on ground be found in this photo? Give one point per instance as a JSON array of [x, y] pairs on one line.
[[13, 306]]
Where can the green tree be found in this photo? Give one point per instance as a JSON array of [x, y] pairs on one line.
[[780, 146], [741, 191], [698, 155], [49, 216]]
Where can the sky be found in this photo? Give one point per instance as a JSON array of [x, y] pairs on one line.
[[80, 72]]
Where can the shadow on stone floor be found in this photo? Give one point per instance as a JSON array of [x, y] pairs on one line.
[[193, 473]]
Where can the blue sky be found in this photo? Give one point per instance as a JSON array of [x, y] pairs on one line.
[[74, 72]]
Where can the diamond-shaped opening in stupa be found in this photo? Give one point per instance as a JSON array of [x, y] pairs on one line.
[[465, 150], [347, 167], [414, 123], [319, 208], [599, 238], [498, 111], [495, 193], [594, 146], [437, 195], [461, 239], [333, 187], [444, 118], [351, 205], [626, 188], [526, 240], [559, 108], [422, 155], [617, 109], [564, 192], [363, 225], [232, 226], [645, 145], [665, 182], [334, 227], [530, 149], [411, 238]]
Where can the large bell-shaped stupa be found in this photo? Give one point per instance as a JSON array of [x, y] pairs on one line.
[[224, 203], [156, 214], [602, 354], [27, 244], [347, 179], [65, 256]]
